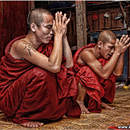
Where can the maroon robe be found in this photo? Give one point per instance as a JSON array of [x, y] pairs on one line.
[[97, 89], [30, 93]]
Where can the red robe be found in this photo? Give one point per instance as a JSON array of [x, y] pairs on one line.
[[30, 93], [97, 88]]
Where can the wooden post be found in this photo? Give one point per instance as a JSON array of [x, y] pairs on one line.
[[128, 32], [81, 23], [31, 5]]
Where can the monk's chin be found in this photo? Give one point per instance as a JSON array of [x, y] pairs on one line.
[[108, 56], [46, 42]]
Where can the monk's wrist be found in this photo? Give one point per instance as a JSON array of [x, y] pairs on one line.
[[116, 53], [58, 35]]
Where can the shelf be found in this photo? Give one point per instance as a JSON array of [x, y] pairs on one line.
[[105, 5]]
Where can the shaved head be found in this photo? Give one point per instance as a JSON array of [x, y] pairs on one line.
[[106, 36], [36, 16]]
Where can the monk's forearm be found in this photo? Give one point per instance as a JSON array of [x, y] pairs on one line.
[[119, 66], [56, 55], [67, 53], [110, 65]]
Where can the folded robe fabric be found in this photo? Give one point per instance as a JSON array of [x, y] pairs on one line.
[[97, 88], [30, 93]]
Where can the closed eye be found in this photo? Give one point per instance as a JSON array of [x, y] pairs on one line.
[[111, 47], [49, 26]]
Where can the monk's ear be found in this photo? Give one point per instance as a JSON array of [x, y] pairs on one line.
[[33, 27], [100, 44]]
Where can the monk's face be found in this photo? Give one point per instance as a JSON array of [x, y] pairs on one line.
[[108, 49], [44, 33]]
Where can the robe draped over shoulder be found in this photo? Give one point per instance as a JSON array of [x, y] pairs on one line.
[[97, 88], [30, 93]]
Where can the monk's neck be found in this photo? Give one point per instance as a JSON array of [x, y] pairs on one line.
[[30, 38], [96, 52]]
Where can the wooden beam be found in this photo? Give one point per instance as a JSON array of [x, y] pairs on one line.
[[81, 23]]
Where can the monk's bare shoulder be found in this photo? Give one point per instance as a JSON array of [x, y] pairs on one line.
[[21, 48], [87, 55]]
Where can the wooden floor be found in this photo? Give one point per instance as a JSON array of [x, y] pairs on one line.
[[118, 117]]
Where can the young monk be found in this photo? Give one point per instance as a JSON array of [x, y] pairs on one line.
[[36, 84], [96, 67]]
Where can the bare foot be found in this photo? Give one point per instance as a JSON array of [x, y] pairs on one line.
[[84, 110], [32, 124], [107, 106]]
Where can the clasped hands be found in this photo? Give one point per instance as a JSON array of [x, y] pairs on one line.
[[60, 24], [122, 44]]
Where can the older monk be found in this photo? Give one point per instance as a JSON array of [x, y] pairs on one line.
[[36, 83]]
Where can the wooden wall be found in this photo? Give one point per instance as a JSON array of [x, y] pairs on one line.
[[13, 17], [101, 22], [97, 22]]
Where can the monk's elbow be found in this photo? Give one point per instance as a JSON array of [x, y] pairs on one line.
[[69, 65], [56, 69], [104, 76], [117, 74]]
